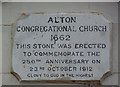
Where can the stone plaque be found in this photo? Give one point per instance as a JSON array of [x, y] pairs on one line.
[[61, 46]]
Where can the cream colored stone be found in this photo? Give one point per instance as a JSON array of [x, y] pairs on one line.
[[16, 9], [6, 49], [0, 37], [60, 0], [111, 80], [9, 79], [0, 79], [0, 49], [115, 48], [0, 13], [109, 10]]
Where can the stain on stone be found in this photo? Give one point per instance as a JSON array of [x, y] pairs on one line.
[[23, 16], [24, 66], [63, 78], [96, 13]]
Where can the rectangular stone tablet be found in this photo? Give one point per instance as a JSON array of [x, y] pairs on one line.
[[61, 46]]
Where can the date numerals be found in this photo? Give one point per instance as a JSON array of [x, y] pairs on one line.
[[60, 37]]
